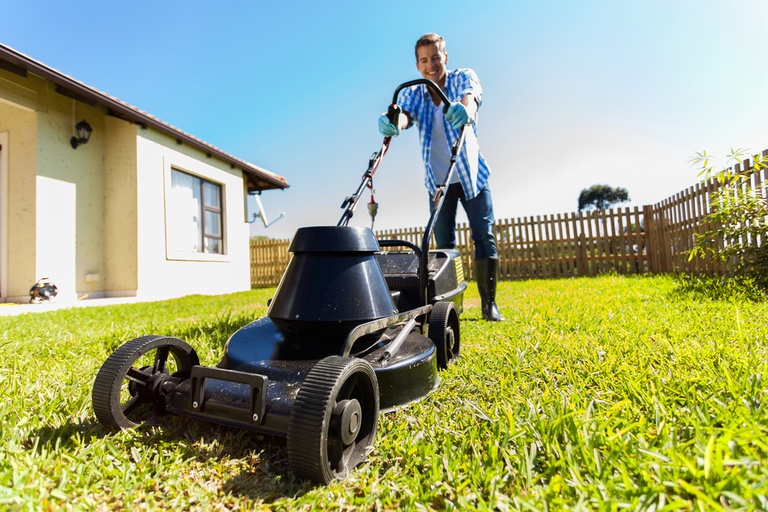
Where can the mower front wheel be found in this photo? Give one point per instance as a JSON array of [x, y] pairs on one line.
[[445, 333], [333, 420], [134, 382]]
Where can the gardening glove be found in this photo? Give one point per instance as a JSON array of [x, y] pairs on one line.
[[386, 128], [457, 115]]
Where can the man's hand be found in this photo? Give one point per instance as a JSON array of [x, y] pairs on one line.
[[457, 115], [386, 128]]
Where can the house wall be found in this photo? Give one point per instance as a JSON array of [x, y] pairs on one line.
[[3, 216], [119, 275], [99, 210], [167, 275], [18, 121], [70, 184], [55, 200]]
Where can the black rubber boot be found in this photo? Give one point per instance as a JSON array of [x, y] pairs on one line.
[[486, 275]]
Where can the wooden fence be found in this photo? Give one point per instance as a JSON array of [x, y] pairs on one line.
[[268, 261], [649, 239]]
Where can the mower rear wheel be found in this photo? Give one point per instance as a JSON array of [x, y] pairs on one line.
[[333, 420], [134, 382], [444, 331]]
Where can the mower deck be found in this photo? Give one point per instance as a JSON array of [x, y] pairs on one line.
[[257, 394]]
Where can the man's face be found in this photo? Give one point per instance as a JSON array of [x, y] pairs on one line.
[[431, 63]]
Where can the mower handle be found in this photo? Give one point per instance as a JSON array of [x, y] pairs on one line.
[[350, 202], [393, 113], [439, 196], [438, 199]]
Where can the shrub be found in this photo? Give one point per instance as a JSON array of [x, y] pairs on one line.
[[737, 227]]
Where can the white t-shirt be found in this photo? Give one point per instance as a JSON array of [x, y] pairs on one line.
[[440, 156]]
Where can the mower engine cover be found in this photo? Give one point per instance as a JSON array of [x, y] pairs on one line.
[[333, 283]]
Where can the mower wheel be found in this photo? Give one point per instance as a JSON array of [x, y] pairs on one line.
[[445, 333], [333, 419], [134, 382]]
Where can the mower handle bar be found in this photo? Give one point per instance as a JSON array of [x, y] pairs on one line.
[[393, 114], [430, 85], [394, 110]]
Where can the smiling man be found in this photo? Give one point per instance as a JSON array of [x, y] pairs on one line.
[[437, 132]]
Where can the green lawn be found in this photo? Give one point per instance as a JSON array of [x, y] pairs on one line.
[[596, 393]]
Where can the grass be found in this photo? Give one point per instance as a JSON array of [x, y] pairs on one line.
[[604, 393]]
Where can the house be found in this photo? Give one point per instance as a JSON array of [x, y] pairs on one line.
[[135, 208]]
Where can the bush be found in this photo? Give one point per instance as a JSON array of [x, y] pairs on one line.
[[737, 227]]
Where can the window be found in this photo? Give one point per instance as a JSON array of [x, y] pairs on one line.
[[195, 215]]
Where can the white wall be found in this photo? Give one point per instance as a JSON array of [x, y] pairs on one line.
[[56, 234], [163, 275]]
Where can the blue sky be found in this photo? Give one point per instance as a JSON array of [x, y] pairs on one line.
[[575, 93]]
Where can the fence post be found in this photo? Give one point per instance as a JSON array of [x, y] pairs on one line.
[[581, 255], [652, 242]]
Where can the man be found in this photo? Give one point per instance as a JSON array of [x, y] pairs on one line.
[[437, 132]]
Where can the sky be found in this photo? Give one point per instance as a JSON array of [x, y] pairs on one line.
[[575, 93]]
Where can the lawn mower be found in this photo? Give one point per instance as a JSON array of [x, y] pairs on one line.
[[357, 326]]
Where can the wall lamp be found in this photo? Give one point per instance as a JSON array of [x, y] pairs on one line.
[[83, 130]]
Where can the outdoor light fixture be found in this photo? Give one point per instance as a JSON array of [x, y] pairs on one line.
[[83, 130]]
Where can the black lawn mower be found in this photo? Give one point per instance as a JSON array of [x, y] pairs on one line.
[[357, 326]]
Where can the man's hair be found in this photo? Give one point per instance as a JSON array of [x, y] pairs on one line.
[[430, 38]]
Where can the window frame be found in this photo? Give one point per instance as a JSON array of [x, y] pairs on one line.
[[221, 211], [217, 210]]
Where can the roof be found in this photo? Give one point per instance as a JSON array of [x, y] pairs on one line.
[[16, 62]]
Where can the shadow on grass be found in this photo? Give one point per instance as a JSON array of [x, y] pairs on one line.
[[264, 477], [736, 288], [65, 436]]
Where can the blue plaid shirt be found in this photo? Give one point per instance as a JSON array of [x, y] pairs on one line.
[[417, 102]]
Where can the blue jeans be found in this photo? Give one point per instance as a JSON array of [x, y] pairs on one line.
[[479, 212]]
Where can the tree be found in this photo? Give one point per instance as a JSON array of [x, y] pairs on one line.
[[601, 197]]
